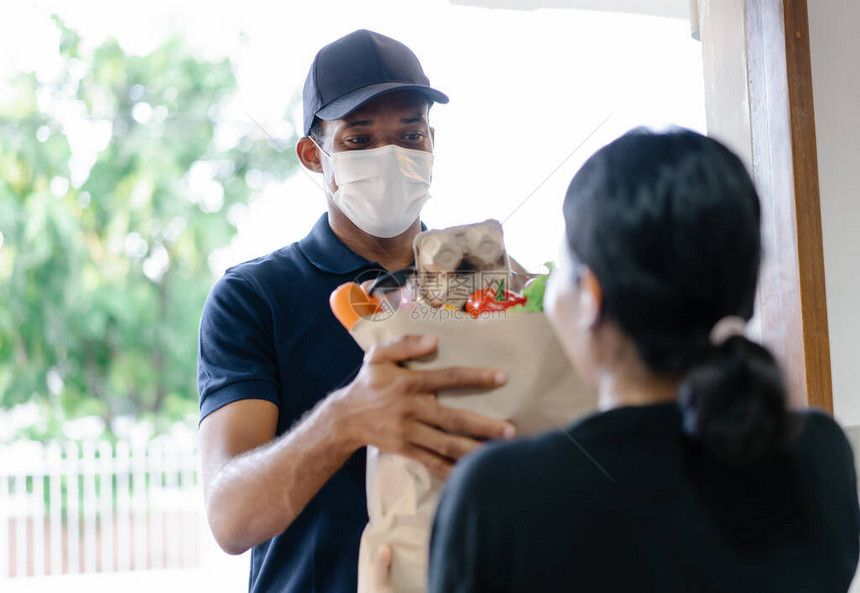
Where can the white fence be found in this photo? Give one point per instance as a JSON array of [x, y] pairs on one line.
[[69, 509]]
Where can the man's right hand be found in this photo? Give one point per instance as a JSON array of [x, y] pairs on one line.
[[395, 409]]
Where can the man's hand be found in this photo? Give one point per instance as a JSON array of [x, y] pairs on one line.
[[380, 576], [395, 409]]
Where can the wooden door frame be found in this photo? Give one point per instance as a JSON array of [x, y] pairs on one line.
[[758, 80]]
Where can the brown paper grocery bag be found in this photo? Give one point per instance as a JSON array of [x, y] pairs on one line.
[[542, 393]]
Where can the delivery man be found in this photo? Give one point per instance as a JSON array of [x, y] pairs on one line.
[[287, 400]]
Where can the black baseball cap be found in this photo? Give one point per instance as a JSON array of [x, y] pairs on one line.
[[356, 68]]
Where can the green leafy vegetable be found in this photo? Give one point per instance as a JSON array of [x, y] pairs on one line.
[[534, 292]]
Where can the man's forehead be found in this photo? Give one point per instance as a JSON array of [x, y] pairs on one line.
[[410, 103]]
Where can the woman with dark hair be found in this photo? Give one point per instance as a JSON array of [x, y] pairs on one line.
[[694, 475]]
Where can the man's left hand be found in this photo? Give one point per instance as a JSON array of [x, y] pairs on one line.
[[380, 572]]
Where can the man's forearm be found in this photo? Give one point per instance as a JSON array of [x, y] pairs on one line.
[[258, 494]]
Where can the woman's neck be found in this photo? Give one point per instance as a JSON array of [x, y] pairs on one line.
[[615, 394], [628, 382]]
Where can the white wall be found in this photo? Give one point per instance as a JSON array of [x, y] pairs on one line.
[[670, 8], [835, 49]]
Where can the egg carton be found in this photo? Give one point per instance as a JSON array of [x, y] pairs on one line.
[[455, 262]]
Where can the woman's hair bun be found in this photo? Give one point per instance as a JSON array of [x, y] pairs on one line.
[[734, 403]]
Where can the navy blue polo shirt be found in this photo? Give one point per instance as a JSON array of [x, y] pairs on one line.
[[267, 333]]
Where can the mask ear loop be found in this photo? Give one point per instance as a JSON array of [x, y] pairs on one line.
[[320, 148]]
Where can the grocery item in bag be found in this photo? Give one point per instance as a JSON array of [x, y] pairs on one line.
[[542, 392]]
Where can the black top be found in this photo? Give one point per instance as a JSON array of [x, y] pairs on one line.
[[267, 332], [623, 502]]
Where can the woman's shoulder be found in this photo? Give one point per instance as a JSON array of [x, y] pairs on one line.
[[501, 461], [819, 435], [552, 457], [581, 444], [818, 427]]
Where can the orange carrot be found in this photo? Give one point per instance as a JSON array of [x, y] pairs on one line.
[[349, 302]]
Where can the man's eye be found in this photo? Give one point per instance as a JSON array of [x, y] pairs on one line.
[[358, 140], [415, 137]]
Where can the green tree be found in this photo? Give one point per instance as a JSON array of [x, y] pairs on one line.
[[116, 180]]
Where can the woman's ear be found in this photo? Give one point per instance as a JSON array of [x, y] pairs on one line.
[[590, 300], [309, 154]]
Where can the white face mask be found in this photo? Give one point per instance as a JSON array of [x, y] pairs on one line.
[[382, 190]]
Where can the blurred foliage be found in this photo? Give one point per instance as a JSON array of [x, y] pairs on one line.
[[116, 182]]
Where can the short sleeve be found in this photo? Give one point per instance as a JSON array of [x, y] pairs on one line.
[[236, 352]]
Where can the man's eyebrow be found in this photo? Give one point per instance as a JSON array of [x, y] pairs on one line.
[[413, 120], [358, 123]]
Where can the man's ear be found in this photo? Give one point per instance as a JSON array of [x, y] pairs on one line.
[[590, 300], [309, 154]]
